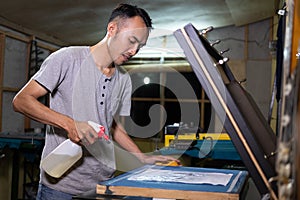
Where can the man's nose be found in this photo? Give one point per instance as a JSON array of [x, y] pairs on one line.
[[134, 50]]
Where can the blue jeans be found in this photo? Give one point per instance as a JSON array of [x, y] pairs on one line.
[[46, 193]]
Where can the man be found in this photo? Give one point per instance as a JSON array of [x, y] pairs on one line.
[[127, 31]]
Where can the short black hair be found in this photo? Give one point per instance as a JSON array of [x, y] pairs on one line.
[[124, 10]]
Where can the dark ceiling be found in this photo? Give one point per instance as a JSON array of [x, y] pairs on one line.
[[74, 22]]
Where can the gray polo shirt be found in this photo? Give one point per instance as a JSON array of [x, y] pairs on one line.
[[79, 90]]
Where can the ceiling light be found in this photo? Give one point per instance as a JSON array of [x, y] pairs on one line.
[[146, 80]]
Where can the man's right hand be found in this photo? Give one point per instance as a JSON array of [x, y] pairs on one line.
[[83, 134]]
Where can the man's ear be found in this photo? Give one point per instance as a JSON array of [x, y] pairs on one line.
[[112, 28]]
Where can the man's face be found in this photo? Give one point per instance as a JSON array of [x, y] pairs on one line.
[[126, 41]]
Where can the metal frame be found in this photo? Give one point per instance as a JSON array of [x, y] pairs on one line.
[[246, 141]]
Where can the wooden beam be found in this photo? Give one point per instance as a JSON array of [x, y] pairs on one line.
[[156, 67], [24, 38], [29, 32], [163, 80], [10, 89], [202, 108], [27, 121], [164, 193], [170, 100], [2, 54]]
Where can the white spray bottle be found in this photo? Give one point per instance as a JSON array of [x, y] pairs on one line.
[[66, 155]]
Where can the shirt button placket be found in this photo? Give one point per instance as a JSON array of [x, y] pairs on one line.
[[101, 103]]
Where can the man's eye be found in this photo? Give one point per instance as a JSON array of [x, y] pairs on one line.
[[132, 41]]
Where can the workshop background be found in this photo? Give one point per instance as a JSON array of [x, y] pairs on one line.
[[31, 30]]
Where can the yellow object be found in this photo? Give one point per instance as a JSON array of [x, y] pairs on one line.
[[192, 136], [172, 163]]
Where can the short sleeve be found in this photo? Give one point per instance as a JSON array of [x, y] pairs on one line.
[[125, 105], [53, 70]]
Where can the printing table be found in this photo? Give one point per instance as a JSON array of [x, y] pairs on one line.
[[123, 186], [207, 145]]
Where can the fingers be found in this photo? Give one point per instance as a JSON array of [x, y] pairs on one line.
[[161, 160], [74, 137], [172, 163], [167, 161], [75, 140], [86, 134]]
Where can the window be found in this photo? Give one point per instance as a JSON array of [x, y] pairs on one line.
[[179, 94]]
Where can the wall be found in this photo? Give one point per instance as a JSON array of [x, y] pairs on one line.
[[14, 62], [249, 57]]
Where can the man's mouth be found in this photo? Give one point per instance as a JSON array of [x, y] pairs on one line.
[[126, 57]]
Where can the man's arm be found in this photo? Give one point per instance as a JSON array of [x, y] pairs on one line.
[[26, 102], [122, 138]]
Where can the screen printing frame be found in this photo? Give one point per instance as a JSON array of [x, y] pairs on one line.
[[256, 150], [124, 185]]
